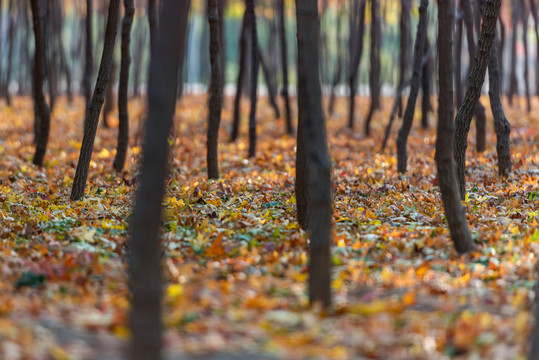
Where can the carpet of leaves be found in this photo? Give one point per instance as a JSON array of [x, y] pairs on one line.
[[235, 259]]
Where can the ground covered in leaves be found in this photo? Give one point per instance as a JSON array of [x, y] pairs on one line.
[[235, 259]]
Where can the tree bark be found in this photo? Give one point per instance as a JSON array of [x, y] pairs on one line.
[[473, 92], [94, 109], [454, 211], [88, 58], [250, 9], [458, 63], [125, 62], [216, 91], [152, 22], [524, 14], [241, 74], [501, 124], [12, 17], [404, 131], [108, 106], [319, 167], [145, 255], [513, 82], [41, 107], [356, 50], [405, 41], [284, 66], [374, 76], [338, 71], [426, 106], [533, 8]]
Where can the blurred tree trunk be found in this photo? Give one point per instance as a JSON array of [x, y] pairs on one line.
[[41, 107], [454, 211], [374, 75], [524, 13], [513, 82], [426, 106], [419, 46], [241, 74], [501, 124], [357, 28], [12, 18], [405, 42], [108, 106], [315, 142], [338, 71], [269, 82], [145, 255], [284, 65], [250, 9], [216, 90], [137, 61], [152, 22], [458, 62], [96, 103], [533, 9], [88, 58], [125, 62], [473, 91]]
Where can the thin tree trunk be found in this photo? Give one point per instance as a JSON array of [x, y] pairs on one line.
[[319, 166], [284, 66], [454, 211], [41, 107], [405, 41], [338, 72], [356, 50], [501, 124], [216, 90], [513, 82], [524, 13], [94, 109], [88, 58], [138, 60], [426, 106], [269, 82], [12, 17], [241, 74], [477, 77], [250, 8], [374, 76], [222, 50], [108, 106], [152, 22], [402, 139], [458, 63], [145, 255], [125, 62], [533, 8]]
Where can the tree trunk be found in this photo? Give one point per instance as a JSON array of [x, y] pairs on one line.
[[41, 107], [533, 8], [125, 62], [477, 77], [222, 50], [458, 62], [145, 255], [374, 76], [426, 106], [405, 41], [138, 60], [250, 9], [338, 71], [356, 50], [284, 66], [12, 17], [241, 74], [108, 106], [88, 58], [408, 118], [524, 13], [319, 167], [513, 82], [216, 90], [269, 82], [152, 22], [454, 211], [501, 124], [94, 109]]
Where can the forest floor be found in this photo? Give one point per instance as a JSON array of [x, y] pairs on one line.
[[235, 259]]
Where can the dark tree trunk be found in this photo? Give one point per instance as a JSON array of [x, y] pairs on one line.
[[51, 57], [125, 62], [284, 66], [473, 92], [454, 211], [269, 83], [533, 8], [356, 50], [319, 166], [338, 71], [513, 82], [88, 58], [374, 76], [12, 17], [138, 60], [94, 109], [41, 107], [250, 9], [216, 90], [458, 63], [405, 41], [145, 255], [524, 13], [426, 106], [408, 118], [241, 74], [152, 22], [108, 106], [501, 124], [57, 29]]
